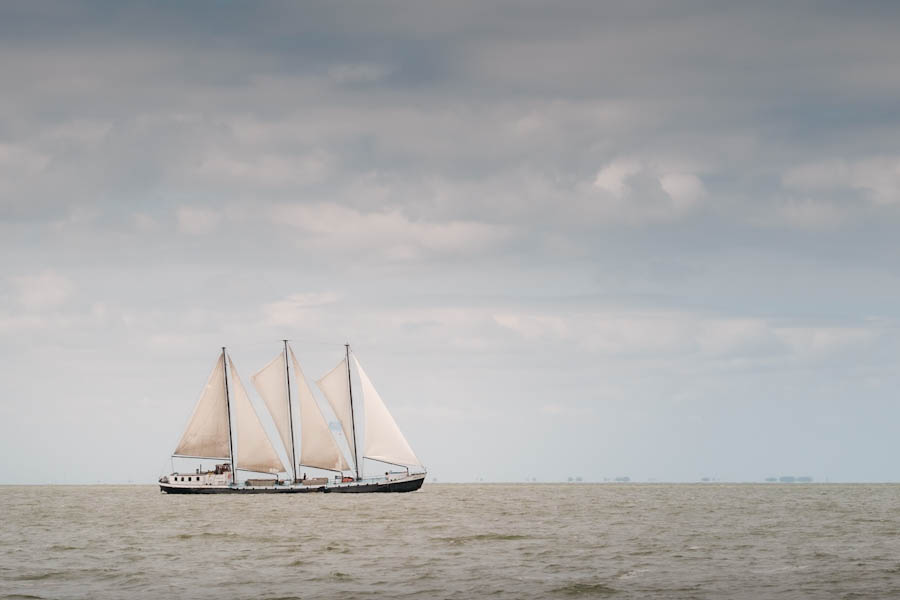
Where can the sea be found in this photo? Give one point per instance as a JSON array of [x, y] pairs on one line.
[[574, 540]]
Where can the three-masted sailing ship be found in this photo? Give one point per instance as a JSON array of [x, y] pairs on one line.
[[226, 430]]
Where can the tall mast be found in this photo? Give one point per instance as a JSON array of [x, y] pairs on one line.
[[353, 418], [228, 411], [287, 378]]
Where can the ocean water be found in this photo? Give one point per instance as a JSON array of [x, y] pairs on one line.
[[455, 541]]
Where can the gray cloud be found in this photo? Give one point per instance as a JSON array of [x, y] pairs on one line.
[[641, 237]]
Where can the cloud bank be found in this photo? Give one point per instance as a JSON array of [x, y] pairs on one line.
[[600, 234]]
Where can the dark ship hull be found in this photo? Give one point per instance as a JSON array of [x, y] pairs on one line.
[[407, 484], [410, 484]]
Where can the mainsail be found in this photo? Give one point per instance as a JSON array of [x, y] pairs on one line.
[[206, 435], [254, 450], [271, 383], [317, 445], [336, 387], [384, 440]]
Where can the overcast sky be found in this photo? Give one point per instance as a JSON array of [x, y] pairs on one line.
[[565, 239]]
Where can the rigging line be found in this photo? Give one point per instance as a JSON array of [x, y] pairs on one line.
[[321, 468], [201, 457], [387, 462], [171, 464], [299, 339], [304, 342]]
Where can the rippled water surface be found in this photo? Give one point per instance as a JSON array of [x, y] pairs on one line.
[[455, 541]]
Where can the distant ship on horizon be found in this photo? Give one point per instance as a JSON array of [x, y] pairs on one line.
[[212, 434]]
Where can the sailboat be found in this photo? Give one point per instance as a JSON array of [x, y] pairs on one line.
[[224, 418]]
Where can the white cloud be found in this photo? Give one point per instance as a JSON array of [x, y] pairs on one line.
[[820, 341], [19, 160], [654, 333], [19, 164], [532, 327], [271, 170], [144, 223], [196, 220], [613, 178], [296, 309], [647, 190], [684, 189], [391, 234], [557, 409], [807, 213], [42, 291], [83, 132], [878, 177], [14, 323], [528, 124]]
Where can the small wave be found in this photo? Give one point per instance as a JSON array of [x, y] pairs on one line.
[[632, 573], [482, 537], [205, 534], [38, 576], [586, 590]]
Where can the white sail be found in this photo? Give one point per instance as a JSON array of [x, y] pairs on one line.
[[206, 435], [317, 445], [336, 387], [254, 450], [384, 441], [271, 383]]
